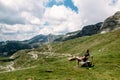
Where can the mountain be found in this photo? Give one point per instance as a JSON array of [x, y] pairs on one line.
[[68, 36], [41, 39], [37, 40], [8, 48], [86, 31], [90, 29], [111, 23]]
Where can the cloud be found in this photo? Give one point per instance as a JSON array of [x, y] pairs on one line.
[[18, 31], [30, 18], [13, 11], [62, 19], [93, 11], [23, 19]]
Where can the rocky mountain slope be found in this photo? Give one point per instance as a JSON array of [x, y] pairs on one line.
[[111, 23]]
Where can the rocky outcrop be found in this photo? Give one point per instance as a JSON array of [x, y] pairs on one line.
[[111, 23], [90, 29]]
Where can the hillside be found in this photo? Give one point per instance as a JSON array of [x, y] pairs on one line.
[[40, 64], [98, 42]]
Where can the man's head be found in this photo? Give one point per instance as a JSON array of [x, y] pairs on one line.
[[87, 51]]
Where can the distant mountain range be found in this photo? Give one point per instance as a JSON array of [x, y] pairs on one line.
[[7, 48]]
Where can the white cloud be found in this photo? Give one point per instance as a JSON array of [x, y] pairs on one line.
[[12, 11], [20, 19], [93, 11], [62, 19], [30, 19], [18, 31], [56, 13], [18, 28]]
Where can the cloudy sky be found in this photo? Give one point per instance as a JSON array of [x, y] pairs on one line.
[[23, 19]]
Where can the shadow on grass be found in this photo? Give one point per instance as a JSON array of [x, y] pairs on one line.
[[8, 59]]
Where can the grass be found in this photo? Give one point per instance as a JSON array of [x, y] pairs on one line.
[[61, 69], [105, 49]]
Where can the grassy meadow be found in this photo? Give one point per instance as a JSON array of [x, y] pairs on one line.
[[105, 49]]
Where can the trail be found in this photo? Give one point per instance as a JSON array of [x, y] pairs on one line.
[[34, 55], [10, 67], [18, 69]]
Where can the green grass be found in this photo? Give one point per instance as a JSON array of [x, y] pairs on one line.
[[61, 69], [105, 49]]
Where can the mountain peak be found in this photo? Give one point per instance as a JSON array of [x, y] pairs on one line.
[[117, 13], [111, 23]]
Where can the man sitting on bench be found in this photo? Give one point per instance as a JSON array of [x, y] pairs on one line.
[[84, 58]]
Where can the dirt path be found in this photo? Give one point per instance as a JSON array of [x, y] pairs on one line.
[[34, 55], [18, 69]]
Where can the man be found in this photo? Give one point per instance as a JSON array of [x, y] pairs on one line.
[[84, 58]]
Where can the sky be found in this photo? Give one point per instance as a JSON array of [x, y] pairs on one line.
[[24, 19]]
